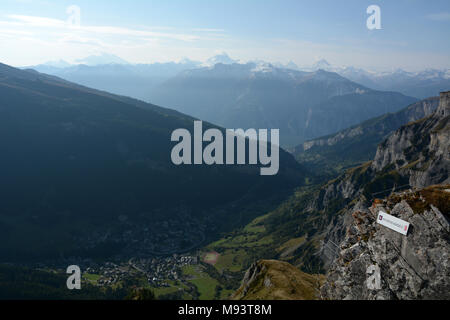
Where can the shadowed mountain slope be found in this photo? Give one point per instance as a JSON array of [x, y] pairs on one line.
[[80, 168]]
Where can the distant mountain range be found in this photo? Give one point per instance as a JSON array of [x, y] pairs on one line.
[[304, 102], [303, 105], [77, 162], [137, 81], [421, 84]]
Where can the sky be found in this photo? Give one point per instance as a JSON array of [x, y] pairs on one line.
[[413, 36]]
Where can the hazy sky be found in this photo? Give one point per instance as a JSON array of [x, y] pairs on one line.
[[414, 33]]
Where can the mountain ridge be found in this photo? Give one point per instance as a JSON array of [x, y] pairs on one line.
[[357, 144], [263, 96]]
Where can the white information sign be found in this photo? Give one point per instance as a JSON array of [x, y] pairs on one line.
[[393, 223]]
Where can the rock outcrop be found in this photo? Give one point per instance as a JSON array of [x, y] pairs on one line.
[[421, 149], [278, 280], [415, 266]]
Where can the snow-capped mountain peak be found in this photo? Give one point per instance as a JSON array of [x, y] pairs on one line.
[[223, 58], [101, 59], [57, 64]]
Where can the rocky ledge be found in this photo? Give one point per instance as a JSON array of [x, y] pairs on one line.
[[376, 262]]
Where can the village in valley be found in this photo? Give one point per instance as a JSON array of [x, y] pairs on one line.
[[180, 276]]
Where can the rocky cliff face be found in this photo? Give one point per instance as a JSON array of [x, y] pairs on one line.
[[382, 125], [415, 266], [350, 147], [420, 150], [414, 156]]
